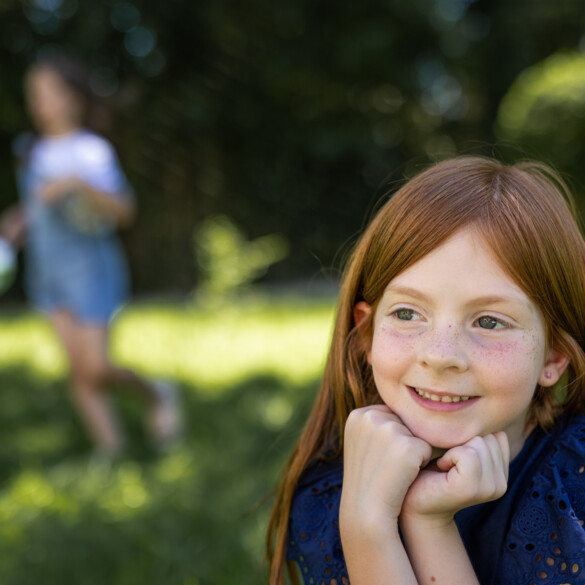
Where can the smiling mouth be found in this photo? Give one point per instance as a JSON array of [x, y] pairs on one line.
[[442, 398]]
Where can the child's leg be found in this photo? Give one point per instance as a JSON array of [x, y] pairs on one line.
[[92, 373], [84, 348]]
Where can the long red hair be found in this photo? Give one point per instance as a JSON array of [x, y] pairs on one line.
[[526, 215]]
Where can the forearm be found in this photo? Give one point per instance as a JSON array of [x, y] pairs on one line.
[[120, 210], [381, 460], [437, 553], [430, 552], [13, 225], [375, 557]]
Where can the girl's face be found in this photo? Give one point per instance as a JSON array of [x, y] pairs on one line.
[[458, 348], [53, 106]]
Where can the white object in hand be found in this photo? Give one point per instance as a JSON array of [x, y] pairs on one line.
[[7, 265]]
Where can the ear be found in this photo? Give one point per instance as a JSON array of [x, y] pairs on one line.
[[361, 311], [554, 368]]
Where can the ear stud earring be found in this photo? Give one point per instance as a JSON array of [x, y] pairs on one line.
[[547, 375]]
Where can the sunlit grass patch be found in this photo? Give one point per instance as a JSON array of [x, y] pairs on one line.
[[27, 338], [216, 347], [208, 347]]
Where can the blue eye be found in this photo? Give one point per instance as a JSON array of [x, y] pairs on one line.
[[487, 322], [405, 314]]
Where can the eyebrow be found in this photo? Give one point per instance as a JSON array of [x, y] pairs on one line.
[[483, 300], [406, 290]]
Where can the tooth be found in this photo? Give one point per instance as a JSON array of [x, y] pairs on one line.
[[437, 398]]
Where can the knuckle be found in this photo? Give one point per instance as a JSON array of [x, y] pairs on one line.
[[351, 424], [361, 418], [471, 457], [356, 415], [370, 415], [477, 443], [351, 418]]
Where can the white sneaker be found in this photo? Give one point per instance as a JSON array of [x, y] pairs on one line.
[[165, 422]]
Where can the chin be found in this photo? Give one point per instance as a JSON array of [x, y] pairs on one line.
[[443, 440], [446, 445]]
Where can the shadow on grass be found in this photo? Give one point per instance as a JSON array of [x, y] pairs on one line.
[[37, 423], [195, 516]]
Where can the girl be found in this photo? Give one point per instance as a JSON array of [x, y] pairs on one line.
[[73, 198], [447, 444]]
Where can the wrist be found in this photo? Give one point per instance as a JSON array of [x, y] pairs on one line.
[[367, 528], [363, 540], [431, 525], [436, 551]]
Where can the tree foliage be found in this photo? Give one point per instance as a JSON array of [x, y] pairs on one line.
[[544, 114], [294, 116]]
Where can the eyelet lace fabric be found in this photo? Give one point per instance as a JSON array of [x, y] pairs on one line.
[[546, 540], [314, 540], [533, 535]]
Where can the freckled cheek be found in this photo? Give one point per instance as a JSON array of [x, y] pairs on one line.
[[390, 346], [514, 360]]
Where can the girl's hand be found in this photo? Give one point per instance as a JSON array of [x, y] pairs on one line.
[[13, 226], [53, 191], [383, 481], [115, 208], [381, 460], [470, 474]]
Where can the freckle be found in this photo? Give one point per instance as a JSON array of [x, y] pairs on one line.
[[433, 579]]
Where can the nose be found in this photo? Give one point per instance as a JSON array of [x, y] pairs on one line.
[[442, 348]]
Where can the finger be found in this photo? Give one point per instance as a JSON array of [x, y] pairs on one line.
[[504, 443], [381, 408], [378, 425], [451, 458], [498, 453], [484, 459], [493, 464], [472, 459], [485, 450]]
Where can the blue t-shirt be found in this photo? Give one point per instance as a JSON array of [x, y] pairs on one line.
[[534, 534], [73, 258]]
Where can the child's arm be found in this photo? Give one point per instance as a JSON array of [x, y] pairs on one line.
[[120, 210], [381, 460], [473, 473], [383, 480], [13, 225]]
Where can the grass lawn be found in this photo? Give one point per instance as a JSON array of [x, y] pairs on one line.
[[195, 516]]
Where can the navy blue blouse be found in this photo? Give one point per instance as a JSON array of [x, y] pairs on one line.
[[532, 535]]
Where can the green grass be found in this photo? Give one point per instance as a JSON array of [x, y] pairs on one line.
[[195, 516]]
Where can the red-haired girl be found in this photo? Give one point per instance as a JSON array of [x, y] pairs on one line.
[[447, 443]]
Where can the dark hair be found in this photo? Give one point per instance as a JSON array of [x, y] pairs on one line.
[[71, 71], [77, 77]]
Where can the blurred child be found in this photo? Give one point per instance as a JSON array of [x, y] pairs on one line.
[[447, 444], [74, 196]]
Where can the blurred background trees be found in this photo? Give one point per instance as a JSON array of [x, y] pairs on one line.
[[297, 116]]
